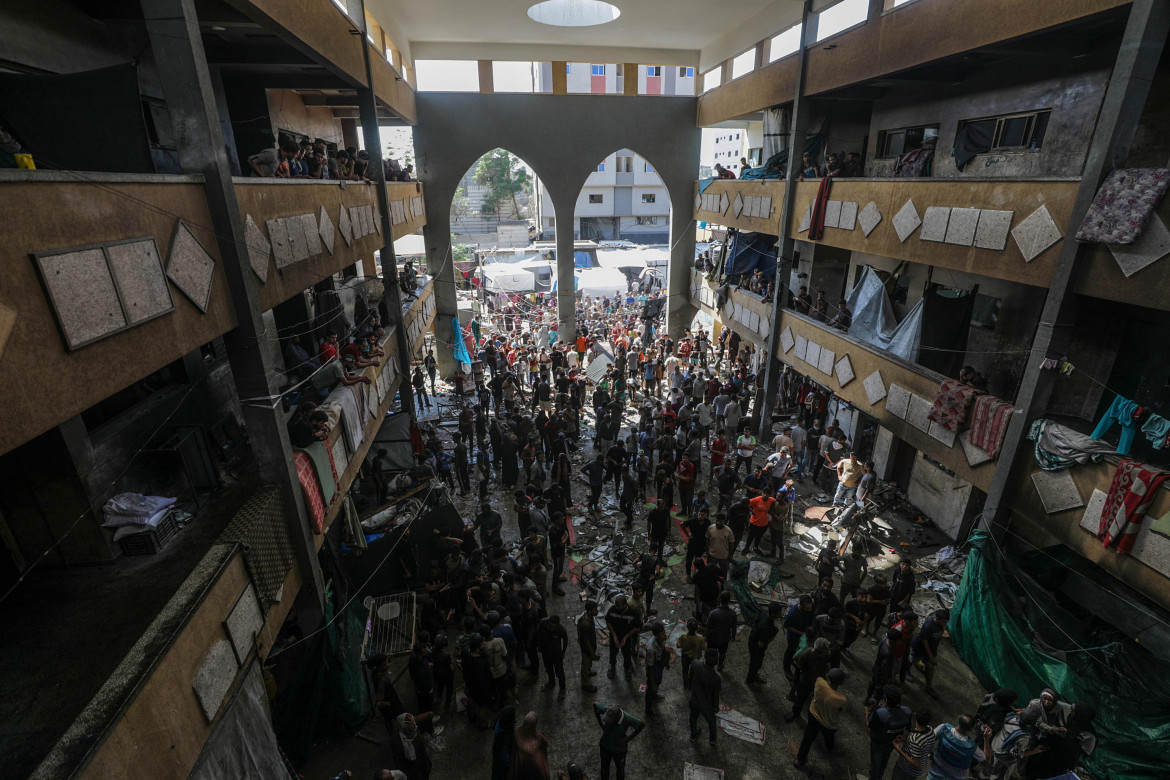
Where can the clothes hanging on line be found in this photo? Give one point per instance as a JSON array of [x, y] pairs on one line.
[[816, 229], [1133, 489], [952, 404], [1157, 430], [1121, 411], [1058, 446], [989, 423]]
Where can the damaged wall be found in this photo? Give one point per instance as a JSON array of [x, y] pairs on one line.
[[942, 497]]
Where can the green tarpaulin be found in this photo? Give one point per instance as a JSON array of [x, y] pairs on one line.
[[994, 621]]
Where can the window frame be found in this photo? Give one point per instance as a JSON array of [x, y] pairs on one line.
[[600, 198], [882, 153], [593, 70], [654, 70], [653, 196]]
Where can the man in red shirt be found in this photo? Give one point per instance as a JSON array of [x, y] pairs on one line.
[[719, 449], [761, 507], [354, 350], [328, 347], [686, 482]]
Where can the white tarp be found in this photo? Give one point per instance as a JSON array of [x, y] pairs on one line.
[[642, 257], [601, 282], [874, 321], [410, 246], [506, 277]]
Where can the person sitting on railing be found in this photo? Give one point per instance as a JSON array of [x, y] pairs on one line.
[[831, 166], [843, 319], [274, 163], [354, 350]]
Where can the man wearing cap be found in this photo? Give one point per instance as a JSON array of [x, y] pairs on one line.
[[762, 634], [617, 729], [825, 712]]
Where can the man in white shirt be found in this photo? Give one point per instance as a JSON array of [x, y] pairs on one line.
[[745, 447]]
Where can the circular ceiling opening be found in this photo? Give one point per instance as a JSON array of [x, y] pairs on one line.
[[573, 13]]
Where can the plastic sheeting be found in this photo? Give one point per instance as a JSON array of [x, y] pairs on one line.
[[751, 252], [506, 277], [328, 697], [394, 437], [602, 282], [243, 743], [874, 321], [999, 636]]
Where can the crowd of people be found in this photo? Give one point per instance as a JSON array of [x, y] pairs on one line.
[[668, 425], [309, 158], [835, 164]]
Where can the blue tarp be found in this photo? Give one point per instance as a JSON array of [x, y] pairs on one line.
[[750, 252], [458, 341]]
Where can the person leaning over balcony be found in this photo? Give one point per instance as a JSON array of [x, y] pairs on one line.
[[844, 318], [723, 173], [808, 168], [337, 371], [274, 163]]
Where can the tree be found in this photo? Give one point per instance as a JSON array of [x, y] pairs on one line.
[[460, 206], [505, 177]]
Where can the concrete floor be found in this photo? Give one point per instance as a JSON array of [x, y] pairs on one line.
[[661, 750]]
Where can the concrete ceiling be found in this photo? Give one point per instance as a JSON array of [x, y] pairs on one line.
[[656, 32]]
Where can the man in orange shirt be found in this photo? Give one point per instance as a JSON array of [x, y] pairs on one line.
[[582, 345], [761, 508]]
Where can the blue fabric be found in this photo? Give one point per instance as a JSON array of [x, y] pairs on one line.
[[705, 183], [1156, 430], [460, 346], [1121, 412], [751, 252]]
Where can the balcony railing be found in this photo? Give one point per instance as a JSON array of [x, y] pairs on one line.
[[746, 313], [1005, 229], [126, 268]]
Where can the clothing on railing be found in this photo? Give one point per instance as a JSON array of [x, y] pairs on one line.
[[816, 229], [1122, 205], [952, 404], [1157, 430], [914, 163], [1134, 487], [1058, 447], [1122, 412], [989, 423], [322, 466], [312, 490]]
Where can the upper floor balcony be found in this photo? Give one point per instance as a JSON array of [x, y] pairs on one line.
[[113, 276], [878, 383], [1005, 229], [889, 41]]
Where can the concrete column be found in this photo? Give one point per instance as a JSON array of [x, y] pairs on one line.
[[564, 207], [560, 79], [1121, 110], [175, 41], [487, 77], [441, 266], [630, 79], [680, 311], [349, 134], [799, 129]]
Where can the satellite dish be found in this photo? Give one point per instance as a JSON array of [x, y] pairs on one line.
[[390, 610]]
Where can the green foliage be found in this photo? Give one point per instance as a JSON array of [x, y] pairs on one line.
[[502, 173], [461, 253]]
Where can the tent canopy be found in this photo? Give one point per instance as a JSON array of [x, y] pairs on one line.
[[506, 277], [410, 246], [601, 282]]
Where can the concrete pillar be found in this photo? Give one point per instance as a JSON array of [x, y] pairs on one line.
[[787, 246], [349, 135], [564, 207], [680, 311], [1121, 109], [630, 79], [487, 77], [177, 46], [560, 79]]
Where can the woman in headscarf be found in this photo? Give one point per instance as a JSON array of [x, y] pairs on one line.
[[408, 748], [530, 756], [502, 743]]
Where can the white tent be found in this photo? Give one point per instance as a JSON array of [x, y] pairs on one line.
[[506, 277], [410, 246], [601, 282]]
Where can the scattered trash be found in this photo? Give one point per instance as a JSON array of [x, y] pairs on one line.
[[740, 726], [696, 772]]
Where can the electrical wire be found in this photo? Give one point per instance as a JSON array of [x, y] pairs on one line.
[[338, 613]]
